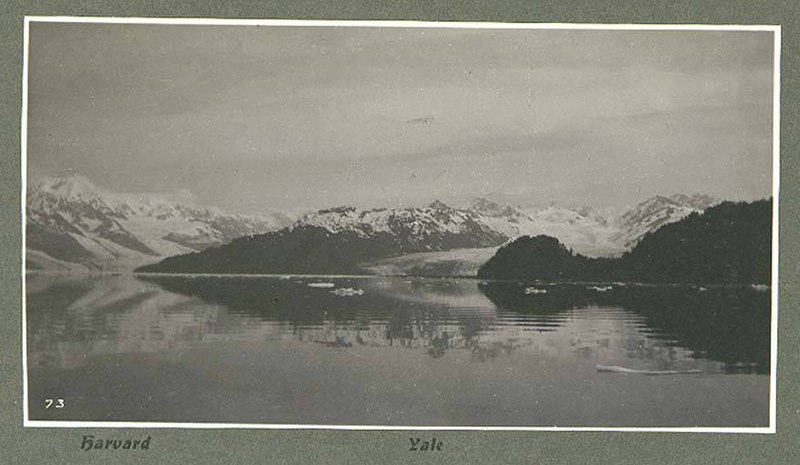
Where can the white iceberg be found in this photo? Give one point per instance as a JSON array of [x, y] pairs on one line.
[[533, 290], [600, 288], [347, 291], [760, 287]]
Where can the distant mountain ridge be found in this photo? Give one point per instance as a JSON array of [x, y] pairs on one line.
[[339, 240], [72, 223], [422, 229], [347, 240], [655, 212]]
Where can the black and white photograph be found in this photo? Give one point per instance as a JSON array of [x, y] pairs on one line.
[[400, 225]]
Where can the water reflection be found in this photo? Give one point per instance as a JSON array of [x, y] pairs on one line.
[[430, 314], [726, 324], [337, 350]]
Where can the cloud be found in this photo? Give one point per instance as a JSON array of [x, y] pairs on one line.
[[306, 117], [421, 120]]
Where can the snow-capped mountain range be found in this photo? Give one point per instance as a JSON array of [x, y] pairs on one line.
[[655, 212], [424, 226], [591, 231], [71, 221], [586, 230]]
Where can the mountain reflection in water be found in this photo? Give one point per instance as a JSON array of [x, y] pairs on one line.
[[519, 333], [729, 325], [726, 324]]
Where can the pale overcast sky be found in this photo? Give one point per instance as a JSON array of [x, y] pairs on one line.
[[288, 118]]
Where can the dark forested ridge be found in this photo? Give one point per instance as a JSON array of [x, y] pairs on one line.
[[309, 249], [729, 243]]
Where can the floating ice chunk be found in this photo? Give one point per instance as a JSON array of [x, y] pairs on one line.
[[322, 285], [347, 291], [760, 287], [533, 290], [600, 288], [616, 369]]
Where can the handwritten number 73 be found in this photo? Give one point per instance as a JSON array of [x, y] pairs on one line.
[[53, 403]]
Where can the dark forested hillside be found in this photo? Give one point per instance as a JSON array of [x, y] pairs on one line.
[[309, 249], [728, 243]]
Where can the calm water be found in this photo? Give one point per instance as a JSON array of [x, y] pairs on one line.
[[394, 351]]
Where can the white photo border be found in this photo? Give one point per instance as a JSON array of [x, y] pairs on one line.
[[775, 29]]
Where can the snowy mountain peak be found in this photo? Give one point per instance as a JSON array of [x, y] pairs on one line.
[[698, 201], [433, 228], [71, 187], [483, 205], [655, 212], [438, 205], [494, 209], [72, 220]]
